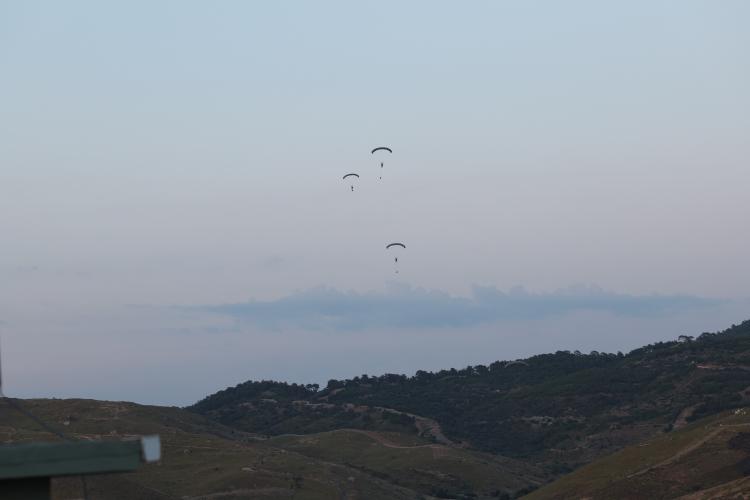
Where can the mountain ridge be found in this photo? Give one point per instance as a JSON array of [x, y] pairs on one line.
[[564, 408]]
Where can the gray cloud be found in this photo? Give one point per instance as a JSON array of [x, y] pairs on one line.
[[403, 306]]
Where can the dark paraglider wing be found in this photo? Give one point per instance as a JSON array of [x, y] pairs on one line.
[[381, 148], [395, 245], [351, 175]]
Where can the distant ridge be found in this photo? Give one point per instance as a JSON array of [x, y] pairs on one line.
[[564, 409]]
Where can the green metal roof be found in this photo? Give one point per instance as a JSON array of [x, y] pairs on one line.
[[65, 459]]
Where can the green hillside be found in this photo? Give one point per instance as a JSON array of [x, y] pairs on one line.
[[708, 459], [664, 421], [563, 409], [202, 459], [430, 468]]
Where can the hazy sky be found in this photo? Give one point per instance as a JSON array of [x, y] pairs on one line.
[[173, 218]]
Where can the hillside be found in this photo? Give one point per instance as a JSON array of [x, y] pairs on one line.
[[667, 420], [202, 459], [562, 410], [709, 459]]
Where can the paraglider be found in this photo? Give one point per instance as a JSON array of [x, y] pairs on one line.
[[381, 148], [353, 177], [395, 246]]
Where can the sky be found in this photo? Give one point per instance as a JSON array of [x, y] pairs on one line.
[[173, 218]]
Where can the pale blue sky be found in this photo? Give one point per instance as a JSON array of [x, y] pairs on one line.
[[191, 154]]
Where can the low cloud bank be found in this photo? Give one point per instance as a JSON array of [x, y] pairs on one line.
[[403, 306]]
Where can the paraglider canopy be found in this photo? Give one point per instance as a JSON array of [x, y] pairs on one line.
[[381, 148], [353, 179], [395, 252]]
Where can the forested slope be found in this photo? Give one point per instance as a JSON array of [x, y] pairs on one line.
[[564, 408]]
